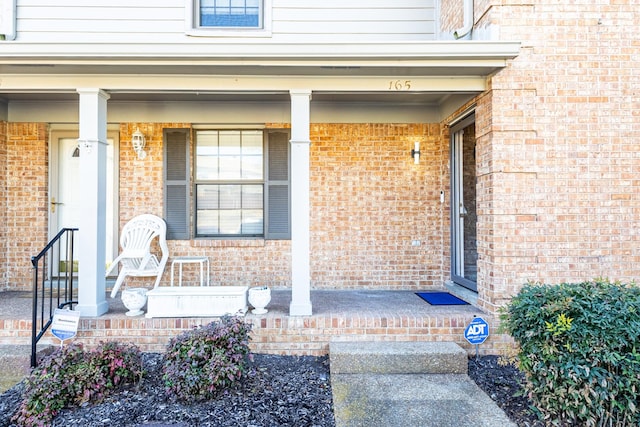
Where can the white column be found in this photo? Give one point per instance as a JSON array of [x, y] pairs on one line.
[[93, 178], [300, 267]]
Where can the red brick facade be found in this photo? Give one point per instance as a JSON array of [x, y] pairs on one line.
[[557, 170], [558, 159], [24, 183], [368, 203]]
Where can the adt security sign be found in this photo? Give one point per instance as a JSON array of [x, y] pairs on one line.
[[477, 331]]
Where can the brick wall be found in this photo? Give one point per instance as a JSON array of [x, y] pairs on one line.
[[3, 204], [368, 203], [26, 192], [558, 156], [451, 15]]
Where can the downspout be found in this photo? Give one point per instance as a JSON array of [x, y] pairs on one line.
[[468, 21], [8, 19]]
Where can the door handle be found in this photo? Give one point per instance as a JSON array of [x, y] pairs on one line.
[[463, 211], [54, 203]]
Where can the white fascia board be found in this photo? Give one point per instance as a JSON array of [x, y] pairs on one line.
[[260, 54]]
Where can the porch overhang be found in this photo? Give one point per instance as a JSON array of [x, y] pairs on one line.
[[369, 54], [427, 73], [429, 59]]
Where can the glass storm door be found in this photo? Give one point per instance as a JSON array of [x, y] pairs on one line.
[[464, 253]]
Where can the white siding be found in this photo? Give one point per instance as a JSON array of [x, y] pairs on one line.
[[158, 22], [357, 20], [100, 21]]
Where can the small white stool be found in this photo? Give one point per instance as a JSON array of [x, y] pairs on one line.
[[180, 260]]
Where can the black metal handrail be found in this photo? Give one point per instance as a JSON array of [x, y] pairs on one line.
[[58, 251]]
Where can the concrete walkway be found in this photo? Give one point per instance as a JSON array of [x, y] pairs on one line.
[[405, 384]]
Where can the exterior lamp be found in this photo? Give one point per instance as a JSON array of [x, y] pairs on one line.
[[138, 142], [415, 153]]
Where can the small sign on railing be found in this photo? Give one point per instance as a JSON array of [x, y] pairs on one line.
[[64, 324]]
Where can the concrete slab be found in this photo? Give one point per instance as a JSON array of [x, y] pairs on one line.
[[405, 400], [15, 363]]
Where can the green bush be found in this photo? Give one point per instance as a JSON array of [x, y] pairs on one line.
[[579, 347], [72, 376], [206, 359]]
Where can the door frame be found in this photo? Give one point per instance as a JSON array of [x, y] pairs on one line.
[[457, 225], [69, 131]]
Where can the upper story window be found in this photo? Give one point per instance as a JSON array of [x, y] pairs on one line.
[[230, 13], [228, 18]]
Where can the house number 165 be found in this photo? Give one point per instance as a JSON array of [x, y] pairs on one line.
[[399, 84]]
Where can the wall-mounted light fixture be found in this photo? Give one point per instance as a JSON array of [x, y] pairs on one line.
[[138, 141], [415, 153]]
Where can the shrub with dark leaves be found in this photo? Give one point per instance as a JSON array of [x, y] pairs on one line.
[[204, 360], [72, 376], [580, 351]]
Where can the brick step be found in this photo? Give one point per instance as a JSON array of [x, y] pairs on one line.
[[397, 357]]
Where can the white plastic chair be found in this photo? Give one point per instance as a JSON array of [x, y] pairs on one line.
[[136, 257]]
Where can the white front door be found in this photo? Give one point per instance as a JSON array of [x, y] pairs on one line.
[[64, 203]]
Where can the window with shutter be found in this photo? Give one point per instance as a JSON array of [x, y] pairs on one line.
[[241, 184]]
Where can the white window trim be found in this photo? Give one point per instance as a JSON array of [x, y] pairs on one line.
[[192, 29]]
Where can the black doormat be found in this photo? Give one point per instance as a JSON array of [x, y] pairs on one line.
[[441, 298]]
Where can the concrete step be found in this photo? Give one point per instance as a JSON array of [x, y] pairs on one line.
[[397, 358], [413, 400], [406, 384], [15, 363]]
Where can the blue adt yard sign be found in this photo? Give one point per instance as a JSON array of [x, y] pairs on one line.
[[477, 331]]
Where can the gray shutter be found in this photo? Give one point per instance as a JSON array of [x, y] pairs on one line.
[[176, 183], [277, 186]]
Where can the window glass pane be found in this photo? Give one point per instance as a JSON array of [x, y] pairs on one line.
[[251, 142], [207, 223], [207, 168], [229, 149], [252, 155], [207, 196], [230, 196], [252, 222], [252, 167], [252, 196], [229, 168], [229, 143], [230, 221], [207, 156]]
